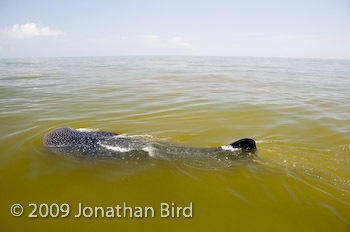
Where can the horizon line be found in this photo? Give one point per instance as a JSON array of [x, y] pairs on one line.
[[232, 56]]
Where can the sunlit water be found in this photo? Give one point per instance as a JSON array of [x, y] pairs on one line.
[[298, 111]]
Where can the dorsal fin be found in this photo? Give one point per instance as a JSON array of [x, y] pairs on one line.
[[246, 143]]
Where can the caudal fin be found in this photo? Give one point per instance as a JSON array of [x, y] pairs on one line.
[[247, 144]]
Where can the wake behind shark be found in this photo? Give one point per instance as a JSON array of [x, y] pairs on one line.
[[76, 143]]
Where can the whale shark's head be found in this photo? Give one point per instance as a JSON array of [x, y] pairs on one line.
[[70, 142], [60, 137], [69, 137]]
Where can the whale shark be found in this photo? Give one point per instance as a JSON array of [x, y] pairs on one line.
[[81, 143]]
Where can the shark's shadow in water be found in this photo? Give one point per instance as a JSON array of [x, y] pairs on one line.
[[99, 144]]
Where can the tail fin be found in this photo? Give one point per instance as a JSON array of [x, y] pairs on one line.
[[247, 144]]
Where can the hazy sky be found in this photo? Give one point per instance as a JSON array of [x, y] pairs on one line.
[[294, 28]]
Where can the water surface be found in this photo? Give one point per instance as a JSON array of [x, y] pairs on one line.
[[296, 109]]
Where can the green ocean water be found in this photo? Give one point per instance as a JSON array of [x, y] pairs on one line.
[[298, 111]]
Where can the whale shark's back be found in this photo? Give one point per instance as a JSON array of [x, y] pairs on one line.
[[68, 141]]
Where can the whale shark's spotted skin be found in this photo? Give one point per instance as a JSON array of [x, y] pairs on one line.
[[71, 142]]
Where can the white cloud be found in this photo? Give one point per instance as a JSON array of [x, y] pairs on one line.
[[151, 37], [30, 30], [179, 41]]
